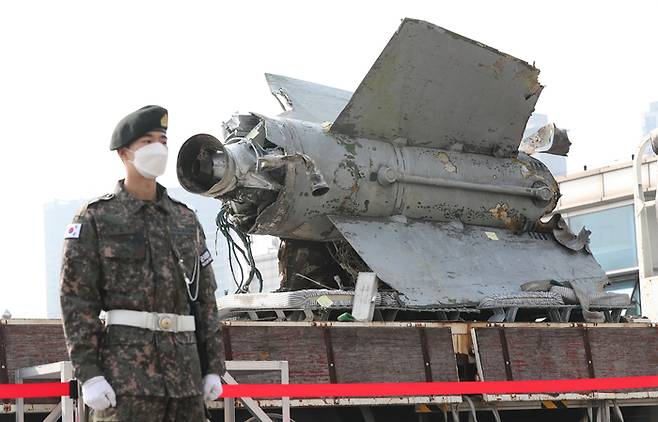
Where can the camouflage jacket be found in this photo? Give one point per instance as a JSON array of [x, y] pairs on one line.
[[121, 253]]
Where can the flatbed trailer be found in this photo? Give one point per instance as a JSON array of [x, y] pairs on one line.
[[364, 352]]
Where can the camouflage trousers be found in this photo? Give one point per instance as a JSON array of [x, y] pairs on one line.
[[153, 409]]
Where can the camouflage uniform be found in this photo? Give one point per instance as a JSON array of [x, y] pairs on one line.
[[161, 409], [126, 258]]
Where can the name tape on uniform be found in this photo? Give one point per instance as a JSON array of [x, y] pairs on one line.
[[205, 258], [72, 231]]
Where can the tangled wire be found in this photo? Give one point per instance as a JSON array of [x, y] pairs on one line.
[[237, 253], [347, 258]]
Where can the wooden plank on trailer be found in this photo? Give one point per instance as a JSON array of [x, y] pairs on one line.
[[392, 354], [539, 353], [441, 353], [34, 344], [544, 352], [360, 354], [26, 345], [302, 346], [624, 352]]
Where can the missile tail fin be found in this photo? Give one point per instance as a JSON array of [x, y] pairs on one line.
[[438, 89], [307, 101], [433, 263]]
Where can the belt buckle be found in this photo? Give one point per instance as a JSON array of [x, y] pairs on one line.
[[165, 323]]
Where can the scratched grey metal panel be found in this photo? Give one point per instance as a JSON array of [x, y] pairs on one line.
[[436, 88], [452, 264], [309, 101]]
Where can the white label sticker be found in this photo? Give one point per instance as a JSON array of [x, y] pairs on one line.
[[72, 231], [324, 301], [491, 235]]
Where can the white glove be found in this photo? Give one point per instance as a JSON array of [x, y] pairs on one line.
[[212, 387], [98, 394]]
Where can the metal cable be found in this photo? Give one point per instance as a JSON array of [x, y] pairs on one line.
[[236, 253]]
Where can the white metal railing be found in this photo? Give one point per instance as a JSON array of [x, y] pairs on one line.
[[68, 409], [646, 232], [254, 366]]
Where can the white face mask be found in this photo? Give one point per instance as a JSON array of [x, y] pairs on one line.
[[150, 160]]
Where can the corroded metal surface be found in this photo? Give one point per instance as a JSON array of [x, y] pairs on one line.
[[457, 264], [351, 167]]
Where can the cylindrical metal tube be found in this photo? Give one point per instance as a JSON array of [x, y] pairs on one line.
[[436, 185], [542, 193]]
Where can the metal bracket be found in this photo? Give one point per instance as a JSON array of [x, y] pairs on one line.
[[505, 349], [588, 353], [331, 364], [426, 355]]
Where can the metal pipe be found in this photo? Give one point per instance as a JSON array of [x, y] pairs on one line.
[[387, 175], [473, 414], [496, 415], [617, 410]]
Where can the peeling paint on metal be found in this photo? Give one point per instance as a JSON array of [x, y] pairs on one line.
[[344, 177], [502, 212], [349, 145], [447, 164]]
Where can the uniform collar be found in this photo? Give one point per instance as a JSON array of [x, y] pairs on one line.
[[133, 204]]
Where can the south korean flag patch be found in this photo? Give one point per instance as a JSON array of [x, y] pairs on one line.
[[72, 231], [205, 258]]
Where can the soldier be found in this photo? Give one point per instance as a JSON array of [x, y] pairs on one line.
[[141, 257]]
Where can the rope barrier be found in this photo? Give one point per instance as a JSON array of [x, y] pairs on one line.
[[38, 390], [400, 389], [438, 388]]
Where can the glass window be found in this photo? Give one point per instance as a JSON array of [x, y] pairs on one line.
[[613, 236]]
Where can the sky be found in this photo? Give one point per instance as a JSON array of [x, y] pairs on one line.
[[69, 70]]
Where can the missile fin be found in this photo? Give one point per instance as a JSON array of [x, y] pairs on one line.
[[307, 101], [432, 263], [438, 89]]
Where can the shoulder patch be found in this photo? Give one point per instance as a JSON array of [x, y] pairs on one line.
[[72, 231]]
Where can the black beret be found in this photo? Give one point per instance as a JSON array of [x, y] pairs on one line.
[[137, 124]]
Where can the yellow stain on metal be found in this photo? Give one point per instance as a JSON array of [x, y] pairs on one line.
[[502, 213]]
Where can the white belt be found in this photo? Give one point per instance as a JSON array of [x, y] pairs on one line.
[[150, 320]]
